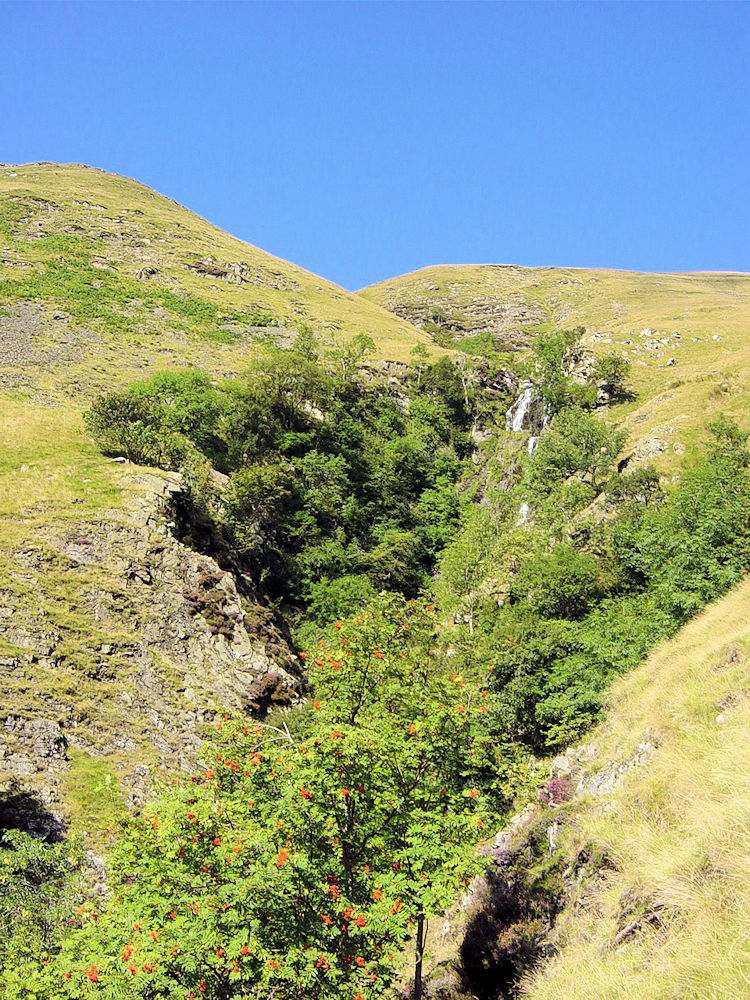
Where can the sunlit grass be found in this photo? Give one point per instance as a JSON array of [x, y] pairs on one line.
[[678, 830], [108, 228], [48, 466]]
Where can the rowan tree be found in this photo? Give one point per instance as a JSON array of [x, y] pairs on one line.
[[299, 863]]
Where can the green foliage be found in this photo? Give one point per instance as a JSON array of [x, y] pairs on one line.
[[466, 563], [577, 444], [256, 500], [564, 583], [328, 474], [299, 861], [40, 886], [160, 421], [729, 443], [610, 374], [693, 547], [443, 384], [548, 368], [578, 615], [638, 487], [340, 595]]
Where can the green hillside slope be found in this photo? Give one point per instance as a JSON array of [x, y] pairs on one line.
[[143, 282], [628, 878], [668, 917], [102, 654], [686, 335]]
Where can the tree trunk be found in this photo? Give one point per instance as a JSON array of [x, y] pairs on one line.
[[418, 957]]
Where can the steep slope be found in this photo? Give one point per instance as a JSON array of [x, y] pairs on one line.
[[630, 881], [669, 916], [117, 640], [686, 335], [151, 283]]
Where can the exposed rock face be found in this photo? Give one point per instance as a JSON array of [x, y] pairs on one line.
[[239, 272], [160, 640], [505, 317]]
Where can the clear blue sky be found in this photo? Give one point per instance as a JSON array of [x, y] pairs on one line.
[[365, 140]]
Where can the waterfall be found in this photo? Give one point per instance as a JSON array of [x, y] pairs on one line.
[[528, 413], [516, 416], [523, 514]]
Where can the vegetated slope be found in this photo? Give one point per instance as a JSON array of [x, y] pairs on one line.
[[686, 335], [628, 879], [667, 915], [152, 284], [116, 638]]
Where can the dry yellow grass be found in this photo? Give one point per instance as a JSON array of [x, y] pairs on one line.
[[678, 829]]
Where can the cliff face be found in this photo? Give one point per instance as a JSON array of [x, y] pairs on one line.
[[138, 642]]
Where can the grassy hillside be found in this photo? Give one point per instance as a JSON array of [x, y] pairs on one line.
[[686, 335], [127, 628], [146, 283], [103, 281], [668, 917]]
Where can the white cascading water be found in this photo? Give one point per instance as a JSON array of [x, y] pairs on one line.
[[523, 514], [517, 415], [527, 414]]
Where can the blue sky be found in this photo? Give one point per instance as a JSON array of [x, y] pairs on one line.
[[365, 140]]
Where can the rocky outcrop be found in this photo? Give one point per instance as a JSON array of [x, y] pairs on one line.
[[120, 640], [239, 273], [506, 318]]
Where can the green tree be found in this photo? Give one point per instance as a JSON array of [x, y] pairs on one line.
[[577, 444], [548, 367], [300, 863], [350, 355], [419, 356], [641, 486], [564, 583], [610, 374], [255, 500], [40, 885]]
